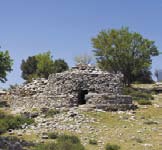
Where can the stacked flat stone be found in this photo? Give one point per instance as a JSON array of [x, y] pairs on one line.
[[29, 89], [103, 89]]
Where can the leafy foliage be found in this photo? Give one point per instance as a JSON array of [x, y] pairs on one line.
[[29, 68], [12, 122], [64, 142], [51, 112], [144, 102], [71, 138], [92, 142], [53, 135], [112, 147], [124, 51], [144, 76], [150, 122], [5, 65], [41, 65], [60, 65], [44, 65], [137, 94]]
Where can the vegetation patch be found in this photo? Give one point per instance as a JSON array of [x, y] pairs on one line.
[[53, 135], [51, 112], [112, 147], [137, 94], [93, 142], [12, 122], [64, 142], [144, 102], [150, 122], [14, 143], [3, 104]]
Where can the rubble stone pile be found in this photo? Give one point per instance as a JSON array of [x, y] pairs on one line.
[[77, 86], [29, 89]]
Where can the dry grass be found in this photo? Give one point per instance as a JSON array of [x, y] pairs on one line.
[[128, 130]]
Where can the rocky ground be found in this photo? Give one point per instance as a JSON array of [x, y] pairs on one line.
[[140, 129]]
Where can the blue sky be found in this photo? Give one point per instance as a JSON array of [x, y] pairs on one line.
[[65, 27]]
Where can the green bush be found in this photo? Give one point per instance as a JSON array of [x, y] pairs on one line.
[[71, 138], [17, 121], [47, 146], [144, 102], [112, 147], [3, 104], [92, 142], [53, 135], [3, 126], [12, 122], [51, 112], [137, 94], [63, 142], [150, 122], [67, 145]]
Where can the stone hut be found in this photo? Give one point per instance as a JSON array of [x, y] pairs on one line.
[[77, 86]]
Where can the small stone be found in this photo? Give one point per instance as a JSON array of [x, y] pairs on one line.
[[44, 137]]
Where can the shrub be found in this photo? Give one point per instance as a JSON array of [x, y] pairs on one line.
[[72, 138], [3, 104], [92, 142], [51, 112], [12, 122], [150, 122], [53, 135], [64, 142], [47, 146], [3, 127], [137, 94], [67, 145], [144, 102], [17, 121], [112, 147]]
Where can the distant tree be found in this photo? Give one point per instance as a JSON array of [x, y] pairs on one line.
[[60, 65], [45, 64], [5, 65], [29, 68], [144, 76], [41, 65], [83, 59], [124, 51]]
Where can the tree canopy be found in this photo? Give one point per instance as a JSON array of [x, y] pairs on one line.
[[44, 65], [60, 65], [5, 65], [29, 68], [41, 65], [124, 51]]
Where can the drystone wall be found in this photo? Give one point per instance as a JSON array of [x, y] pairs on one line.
[[80, 85]]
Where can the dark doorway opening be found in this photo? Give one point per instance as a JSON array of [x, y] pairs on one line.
[[81, 97]]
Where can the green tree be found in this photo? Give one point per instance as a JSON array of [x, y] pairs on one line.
[[29, 68], [60, 65], [144, 76], [41, 65], [5, 65], [45, 64], [124, 51]]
